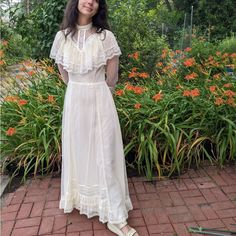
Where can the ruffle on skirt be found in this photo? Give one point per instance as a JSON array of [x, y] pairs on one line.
[[94, 206]]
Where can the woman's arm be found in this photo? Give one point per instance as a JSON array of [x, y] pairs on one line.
[[64, 74], [112, 69]]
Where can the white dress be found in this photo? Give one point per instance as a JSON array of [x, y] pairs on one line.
[[93, 178]]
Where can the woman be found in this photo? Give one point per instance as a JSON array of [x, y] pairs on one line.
[[94, 178]]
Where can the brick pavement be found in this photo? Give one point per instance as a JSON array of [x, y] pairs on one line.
[[206, 197]]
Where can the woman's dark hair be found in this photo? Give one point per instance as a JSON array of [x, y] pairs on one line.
[[71, 16]]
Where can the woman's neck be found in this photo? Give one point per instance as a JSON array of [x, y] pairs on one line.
[[84, 21]]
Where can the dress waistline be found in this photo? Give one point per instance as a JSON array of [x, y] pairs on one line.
[[87, 83]]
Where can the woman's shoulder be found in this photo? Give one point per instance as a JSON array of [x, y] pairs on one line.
[[108, 35]]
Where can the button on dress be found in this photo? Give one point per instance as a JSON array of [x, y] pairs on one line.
[[93, 178]]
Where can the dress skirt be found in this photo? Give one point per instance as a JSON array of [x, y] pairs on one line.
[[94, 178]]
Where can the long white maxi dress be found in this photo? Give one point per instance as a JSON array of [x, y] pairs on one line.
[[93, 178]]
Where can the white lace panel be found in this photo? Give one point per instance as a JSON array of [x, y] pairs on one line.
[[81, 36]]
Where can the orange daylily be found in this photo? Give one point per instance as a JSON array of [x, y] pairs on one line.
[[119, 92], [212, 88], [157, 97], [22, 102], [191, 93], [143, 75], [229, 93], [50, 69], [132, 74], [217, 76], [2, 62], [189, 62], [1, 53], [32, 72], [191, 76], [4, 43], [188, 49], [11, 99], [219, 101], [137, 106], [11, 131], [51, 98], [229, 85], [159, 64]]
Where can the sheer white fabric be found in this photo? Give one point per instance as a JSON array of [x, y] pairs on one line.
[[93, 178]]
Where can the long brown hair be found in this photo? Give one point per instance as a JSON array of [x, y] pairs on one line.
[[72, 14]]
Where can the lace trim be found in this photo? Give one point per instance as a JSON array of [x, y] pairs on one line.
[[93, 206], [82, 61]]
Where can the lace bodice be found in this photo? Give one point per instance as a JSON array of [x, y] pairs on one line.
[[85, 51]]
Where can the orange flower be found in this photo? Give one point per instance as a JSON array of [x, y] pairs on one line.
[[216, 76], [1, 53], [195, 92], [188, 49], [4, 43], [159, 64], [191, 93], [219, 101], [157, 97], [32, 72], [177, 51], [2, 62], [189, 62], [129, 87], [186, 93], [212, 88], [134, 55], [11, 99], [22, 102], [230, 101], [134, 69], [50, 69], [143, 75], [51, 98], [119, 92], [229, 93], [132, 74], [191, 76], [229, 85], [135, 89], [233, 55], [218, 53], [11, 131], [138, 90], [137, 106]]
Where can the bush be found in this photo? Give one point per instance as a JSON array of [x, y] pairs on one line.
[[228, 45], [181, 116], [13, 48], [31, 122]]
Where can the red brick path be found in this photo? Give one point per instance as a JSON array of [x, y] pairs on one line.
[[206, 198]]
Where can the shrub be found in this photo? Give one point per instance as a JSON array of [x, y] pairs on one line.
[[228, 45], [181, 116], [31, 122]]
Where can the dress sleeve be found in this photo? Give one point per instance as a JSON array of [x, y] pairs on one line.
[[110, 45], [112, 69], [57, 43]]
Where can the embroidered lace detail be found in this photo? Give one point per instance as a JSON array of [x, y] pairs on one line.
[[93, 53], [93, 206]]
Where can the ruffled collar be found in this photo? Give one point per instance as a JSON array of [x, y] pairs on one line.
[[85, 27]]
